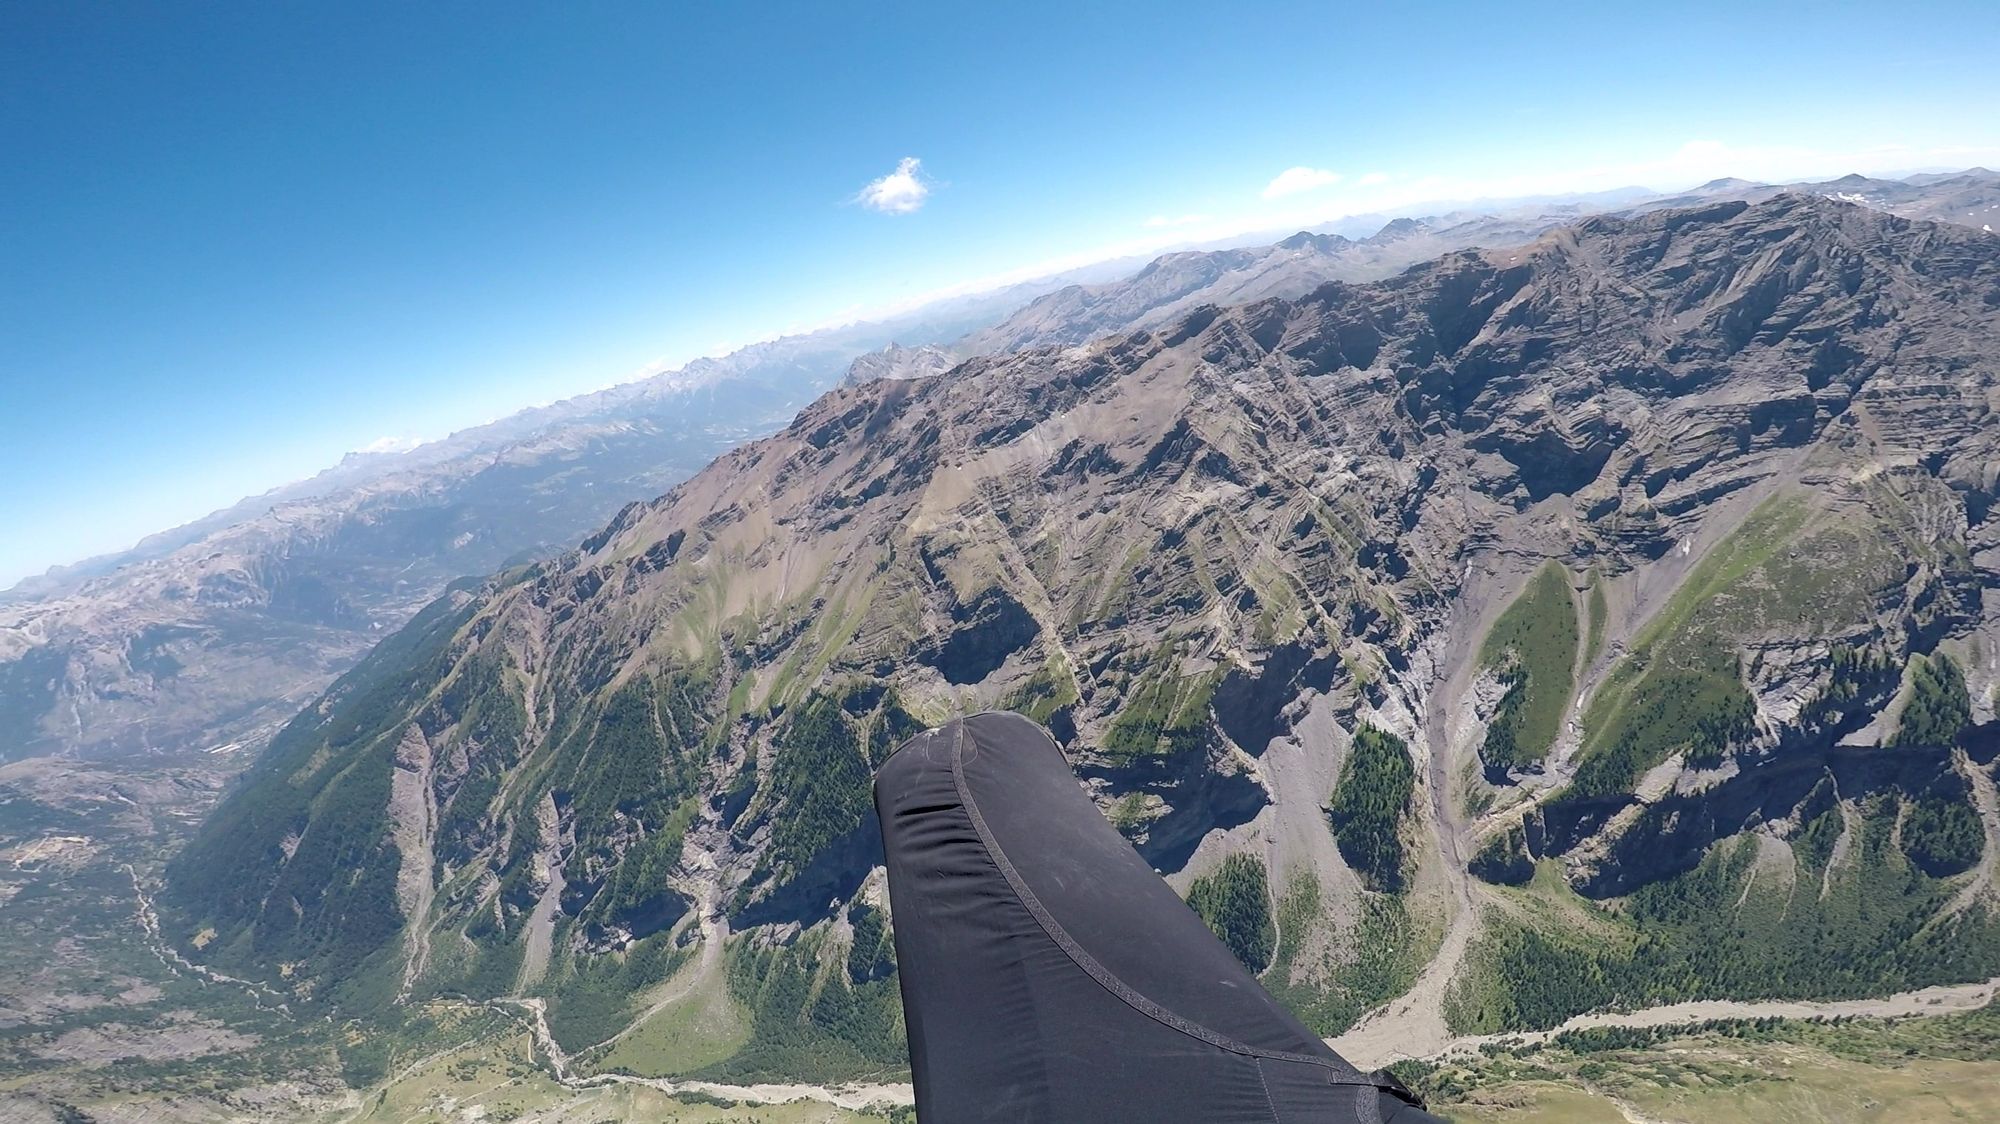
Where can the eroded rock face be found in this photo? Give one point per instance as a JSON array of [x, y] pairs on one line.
[[993, 627], [1164, 543]]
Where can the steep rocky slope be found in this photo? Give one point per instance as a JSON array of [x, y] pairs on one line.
[[1650, 571]]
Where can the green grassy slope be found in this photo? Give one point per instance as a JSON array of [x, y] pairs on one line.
[[1533, 648]]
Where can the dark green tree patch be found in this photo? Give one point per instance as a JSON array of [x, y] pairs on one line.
[[1235, 900], [1939, 707], [1691, 700], [1853, 676], [808, 1024], [819, 774], [872, 956], [890, 726], [593, 995], [1049, 690], [1166, 713], [1369, 804], [1503, 859], [1942, 836], [321, 792], [1869, 926]]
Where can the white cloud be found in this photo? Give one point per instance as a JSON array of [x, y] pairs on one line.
[[1175, 220], [1291, 181], [898, 193], [1373, 178], [391, 445]]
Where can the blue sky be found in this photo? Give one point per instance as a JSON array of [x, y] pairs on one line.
[[238, 240]]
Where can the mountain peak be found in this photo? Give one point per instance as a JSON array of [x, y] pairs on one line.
[[1398, 229], [898, 362], [1307, 240]]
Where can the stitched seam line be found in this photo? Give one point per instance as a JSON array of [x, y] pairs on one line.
[[1097, 971], [1268, 1102]]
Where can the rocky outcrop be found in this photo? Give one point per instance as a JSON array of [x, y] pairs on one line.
[[898, 362]]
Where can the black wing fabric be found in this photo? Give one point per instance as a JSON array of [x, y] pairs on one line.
[[1049, 975]]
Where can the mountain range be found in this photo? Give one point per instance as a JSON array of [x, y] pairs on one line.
[[1606, 619], [209, 636]]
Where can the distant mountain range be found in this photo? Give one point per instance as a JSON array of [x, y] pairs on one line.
[[1172, 285], [208, 636], [1969, 198]]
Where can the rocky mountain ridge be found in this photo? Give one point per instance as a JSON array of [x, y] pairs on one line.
[[208, 637], [1966, 198], [1496, 620], [1174, 284]]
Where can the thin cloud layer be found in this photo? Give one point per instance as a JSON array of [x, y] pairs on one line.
[[391, 444], [1292, 181], [898, 193]]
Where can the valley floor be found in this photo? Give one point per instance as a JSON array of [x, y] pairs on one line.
[[1913, 1071], [1370, 1049]]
